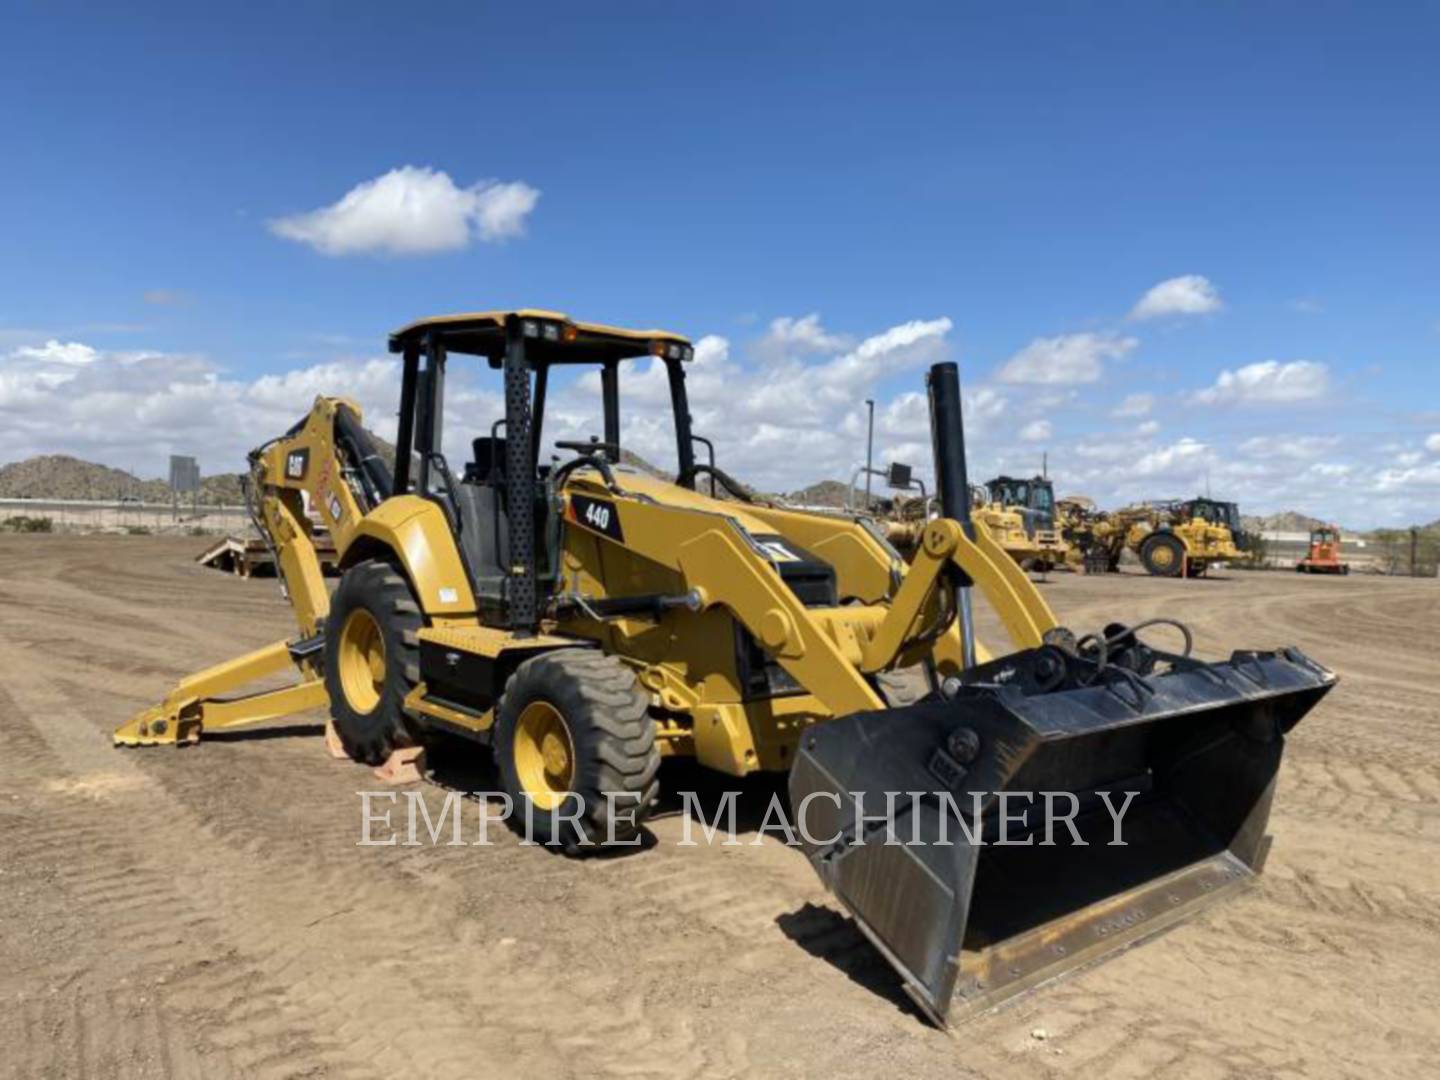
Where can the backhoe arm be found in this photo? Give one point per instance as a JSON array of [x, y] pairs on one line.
[[303, 466]]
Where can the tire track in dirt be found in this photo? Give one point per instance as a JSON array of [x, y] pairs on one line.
[[703, 961], [1379, 796], [461, 1029]]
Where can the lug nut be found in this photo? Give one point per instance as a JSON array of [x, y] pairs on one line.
[[964, 745]]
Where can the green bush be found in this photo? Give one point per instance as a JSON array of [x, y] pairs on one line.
[[23, 523], [137, 530]]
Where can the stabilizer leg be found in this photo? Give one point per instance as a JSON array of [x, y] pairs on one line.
[[194, 705]]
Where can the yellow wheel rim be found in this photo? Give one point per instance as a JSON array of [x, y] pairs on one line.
[[1162, 555], [544, 755], [362, 661]]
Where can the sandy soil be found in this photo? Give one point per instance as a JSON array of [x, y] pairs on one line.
[[207, 911]]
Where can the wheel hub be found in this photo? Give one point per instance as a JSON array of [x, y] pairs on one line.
[[544, 755], [362, 661]]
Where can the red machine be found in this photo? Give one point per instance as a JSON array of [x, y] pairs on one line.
[[1324, 555]]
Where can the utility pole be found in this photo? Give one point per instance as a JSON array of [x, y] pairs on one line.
[[1045, 465], [869, 449]]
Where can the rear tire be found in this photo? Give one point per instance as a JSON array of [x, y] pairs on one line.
[[372, 660], [576, 723], [1163, 555]]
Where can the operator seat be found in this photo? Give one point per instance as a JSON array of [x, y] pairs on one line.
[[484, 524]]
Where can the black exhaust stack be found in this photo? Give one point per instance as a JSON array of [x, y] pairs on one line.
[[947, 436]]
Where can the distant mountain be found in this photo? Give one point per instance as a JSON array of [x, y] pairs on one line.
[[59, 476], [825, 493], [1285, 521]]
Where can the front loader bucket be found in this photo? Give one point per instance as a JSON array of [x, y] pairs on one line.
[[969, 921]]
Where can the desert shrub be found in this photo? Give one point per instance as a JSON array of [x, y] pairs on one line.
[[137, 530], [23, 523]]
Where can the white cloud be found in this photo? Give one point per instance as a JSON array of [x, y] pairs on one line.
[[163, 297], [1269, 383], [982, 404], [1291, 447], [1182, 457], [1134, 405], [69, 353], [788, 335], [134, 408], [412, 211], [777, 426], [1189, 294], [1037, 431], [1067, 358], [1421, 478], [782, 421]]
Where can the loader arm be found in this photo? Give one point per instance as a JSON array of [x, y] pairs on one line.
[[829, 652], [1020, 607]]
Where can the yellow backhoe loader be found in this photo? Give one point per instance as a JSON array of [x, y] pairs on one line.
[[583, 620]]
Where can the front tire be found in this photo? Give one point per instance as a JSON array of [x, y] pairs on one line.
[[575, 724], [1163, 555], [372, 660]]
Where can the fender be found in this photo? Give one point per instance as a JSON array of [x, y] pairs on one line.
[[417, 533]]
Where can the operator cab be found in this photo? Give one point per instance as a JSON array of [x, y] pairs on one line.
[[1216, 512], [1034, 498], [503, 506]]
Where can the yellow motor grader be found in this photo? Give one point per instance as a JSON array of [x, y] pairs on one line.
[[581, 621]]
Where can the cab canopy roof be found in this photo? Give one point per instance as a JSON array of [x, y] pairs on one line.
[[551, 337]]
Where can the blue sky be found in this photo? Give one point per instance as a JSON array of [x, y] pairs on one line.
[[1027, 175]]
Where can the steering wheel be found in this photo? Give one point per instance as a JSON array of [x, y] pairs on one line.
[[590, 447], [587, 457]]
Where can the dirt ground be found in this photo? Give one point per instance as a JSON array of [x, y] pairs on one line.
[[207, 911]]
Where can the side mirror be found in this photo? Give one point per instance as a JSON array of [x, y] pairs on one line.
[[898, 475]]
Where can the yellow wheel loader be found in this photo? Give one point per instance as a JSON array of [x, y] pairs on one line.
[[1020, 514], [1175, 539], [583, 620]]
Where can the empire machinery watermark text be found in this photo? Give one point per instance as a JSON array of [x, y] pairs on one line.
[[821, 819]]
